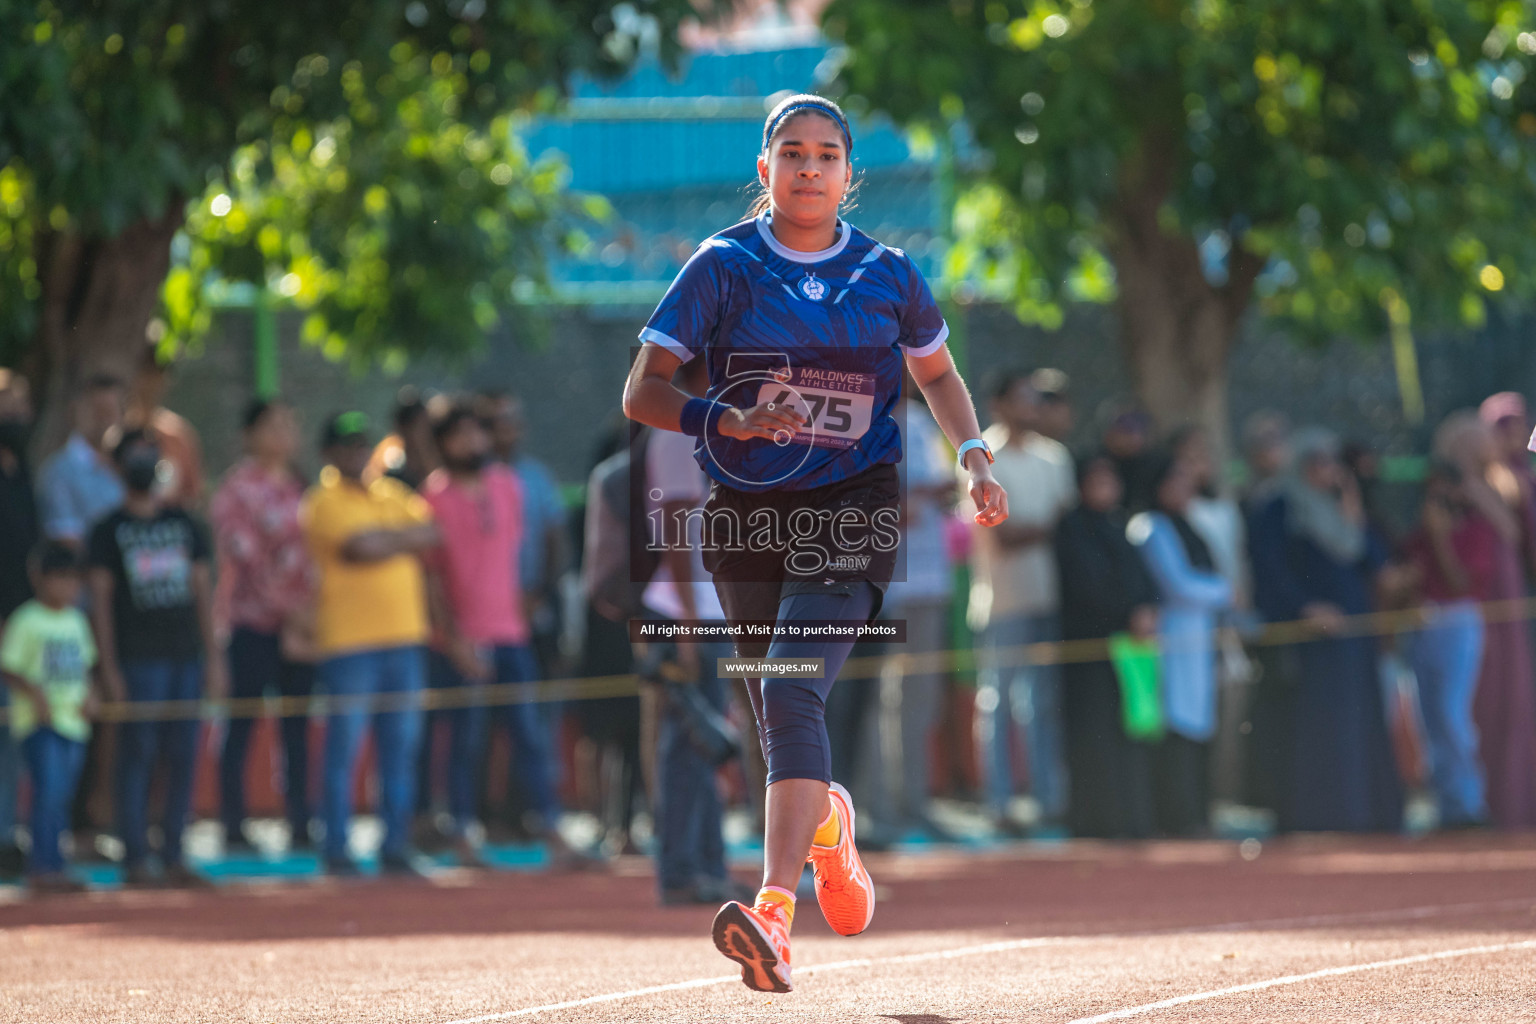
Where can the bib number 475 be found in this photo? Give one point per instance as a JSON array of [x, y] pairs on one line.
[[838, 418]]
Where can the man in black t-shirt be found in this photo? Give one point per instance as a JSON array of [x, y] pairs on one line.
[[152, 607]]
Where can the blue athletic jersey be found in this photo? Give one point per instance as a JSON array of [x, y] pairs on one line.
[[825, 331]]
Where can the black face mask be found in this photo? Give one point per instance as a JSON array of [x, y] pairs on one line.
[[140, 472], [14, 435], [469, 464]]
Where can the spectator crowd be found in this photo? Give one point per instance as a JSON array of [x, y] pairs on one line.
[[1152, 635]]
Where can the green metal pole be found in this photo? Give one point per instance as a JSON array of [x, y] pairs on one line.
[[264, 355]]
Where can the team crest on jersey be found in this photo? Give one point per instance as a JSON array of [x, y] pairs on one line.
[[813, 288]]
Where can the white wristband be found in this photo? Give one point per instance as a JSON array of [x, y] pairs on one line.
[[971, 445]]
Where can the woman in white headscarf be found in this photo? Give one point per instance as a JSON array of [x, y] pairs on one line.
[[1315, 559]]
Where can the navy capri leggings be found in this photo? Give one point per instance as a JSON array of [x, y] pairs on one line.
[[828, 569]]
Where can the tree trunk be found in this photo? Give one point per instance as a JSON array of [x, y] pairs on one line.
[[98, 299], [1176, 334], [1176, 327]]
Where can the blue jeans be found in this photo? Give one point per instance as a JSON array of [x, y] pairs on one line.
[[400, 674], [256, 664], [1447, 655], [54, 763], [143, 745], [468, 732], [690, 843], [466, 728], [533, 760], [1027, 695]]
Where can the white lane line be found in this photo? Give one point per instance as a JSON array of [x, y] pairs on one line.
[[611, 997], [938, 954], [828, 968], [1295, 979], [1010, 945], [1364, 916]]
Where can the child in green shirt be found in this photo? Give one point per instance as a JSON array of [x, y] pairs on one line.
[[46, 656]]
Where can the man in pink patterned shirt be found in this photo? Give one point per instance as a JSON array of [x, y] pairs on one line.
[[266, 580]]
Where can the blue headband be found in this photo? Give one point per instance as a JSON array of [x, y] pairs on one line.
[[808, 105]]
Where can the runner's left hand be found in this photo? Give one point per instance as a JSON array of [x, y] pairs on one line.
[[990, 498]]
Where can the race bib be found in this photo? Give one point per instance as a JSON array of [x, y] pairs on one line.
[[838, 404]]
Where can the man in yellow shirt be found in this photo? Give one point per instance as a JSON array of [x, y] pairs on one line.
[[370, 630]]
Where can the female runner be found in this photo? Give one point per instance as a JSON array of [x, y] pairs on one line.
[[803, 322]]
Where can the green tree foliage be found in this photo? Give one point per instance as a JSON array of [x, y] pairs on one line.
[[359, 157], [1346, 164]]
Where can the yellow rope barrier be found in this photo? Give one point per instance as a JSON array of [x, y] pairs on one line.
[[962, 661]]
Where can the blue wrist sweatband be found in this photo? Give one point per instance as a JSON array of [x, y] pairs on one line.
[[700, 416]]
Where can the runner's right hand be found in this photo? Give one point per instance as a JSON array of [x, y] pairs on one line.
[[765, 420]]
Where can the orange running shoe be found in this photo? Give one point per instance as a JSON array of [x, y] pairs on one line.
[[843, 887], [758, 939]]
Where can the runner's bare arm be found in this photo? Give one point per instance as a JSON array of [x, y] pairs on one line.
[[651, 398], [952, 408]]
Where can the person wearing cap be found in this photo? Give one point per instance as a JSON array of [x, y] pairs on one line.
[[370, 629]]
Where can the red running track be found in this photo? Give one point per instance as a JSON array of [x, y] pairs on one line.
[[1316, 929]]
